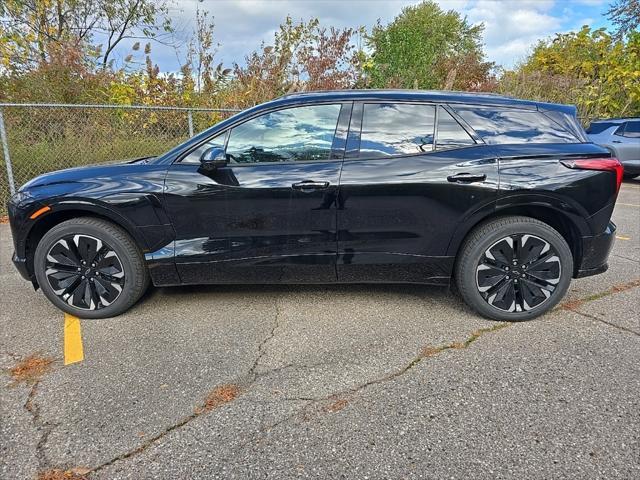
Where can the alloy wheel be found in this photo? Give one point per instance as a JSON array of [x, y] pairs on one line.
[[84, 272], [518, 273]]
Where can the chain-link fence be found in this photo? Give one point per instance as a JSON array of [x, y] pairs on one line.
[[39, 138]]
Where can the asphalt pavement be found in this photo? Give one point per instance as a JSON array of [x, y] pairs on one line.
[[346, 381]]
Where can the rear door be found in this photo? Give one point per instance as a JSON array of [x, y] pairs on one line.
[[626, 141], [412, 175]]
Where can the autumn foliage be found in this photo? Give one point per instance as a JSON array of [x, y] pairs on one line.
[[62, 51]]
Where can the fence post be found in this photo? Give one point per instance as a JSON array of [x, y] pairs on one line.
[[5, 151], [190, 117]]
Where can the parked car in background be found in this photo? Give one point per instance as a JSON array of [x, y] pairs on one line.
[[622, 137], [505, 196]]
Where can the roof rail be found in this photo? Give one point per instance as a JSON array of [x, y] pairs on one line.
[[408, 90]]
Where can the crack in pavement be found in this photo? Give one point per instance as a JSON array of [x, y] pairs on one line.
[[338, 399], [601, 320], [625, 258], [146, 444], [30, 370], [427, 352], [574, 305], [253, 377], [253, 374], [42, 427]]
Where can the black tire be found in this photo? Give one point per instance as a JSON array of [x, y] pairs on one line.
[[116, 283], [630, 176], [491, 284]]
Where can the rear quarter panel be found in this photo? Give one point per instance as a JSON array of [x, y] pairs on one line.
[[534, 175]]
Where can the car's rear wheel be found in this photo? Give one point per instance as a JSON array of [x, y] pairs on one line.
[[90, 268], [514, 268]]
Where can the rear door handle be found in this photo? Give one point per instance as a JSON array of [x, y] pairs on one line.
[[466, 178], [616, 141], [310, 186]]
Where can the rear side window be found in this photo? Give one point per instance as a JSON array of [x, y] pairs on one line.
[[596, 128], [502, 125], [632, 130], [450, 133], [390, 129]]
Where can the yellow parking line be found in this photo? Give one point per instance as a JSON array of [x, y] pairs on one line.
[[72, 340], [622, 237], [627, 204]]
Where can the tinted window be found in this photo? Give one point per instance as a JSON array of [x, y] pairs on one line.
[[217, 141], [632, 130], [396, 129], [294, 134], [496, 125], [596, 128], [450, 133]]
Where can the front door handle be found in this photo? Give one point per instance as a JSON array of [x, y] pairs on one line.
[[466, 178], [310, 186], [616, 141]]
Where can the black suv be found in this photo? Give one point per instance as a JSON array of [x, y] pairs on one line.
[[506, 196]]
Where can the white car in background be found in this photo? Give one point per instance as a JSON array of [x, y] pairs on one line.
[[622, 137]]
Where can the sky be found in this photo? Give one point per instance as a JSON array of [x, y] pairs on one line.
[[511, 26]]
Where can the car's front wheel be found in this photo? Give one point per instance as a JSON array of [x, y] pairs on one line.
[[514, 268], [90, 268]]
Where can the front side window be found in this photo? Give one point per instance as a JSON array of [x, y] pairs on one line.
[[450, 132], [294, 134], [390, 129], [501, 125]]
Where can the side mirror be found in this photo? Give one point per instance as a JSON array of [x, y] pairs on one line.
[[213, 158]]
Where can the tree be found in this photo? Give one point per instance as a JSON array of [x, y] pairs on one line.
[[625, 15], [304, 56], [424, 47], [32, 30], [589, 68], [119, 20]]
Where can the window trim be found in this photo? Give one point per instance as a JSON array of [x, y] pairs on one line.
[[620, 130], [355, 130], [227, 133], [464, 125]]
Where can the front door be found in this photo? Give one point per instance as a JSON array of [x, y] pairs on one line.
[[412, 174], [269, 214]]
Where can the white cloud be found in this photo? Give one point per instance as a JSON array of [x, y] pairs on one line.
[[511, 26]]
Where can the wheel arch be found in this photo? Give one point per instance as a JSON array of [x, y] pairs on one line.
[[552, 216], [66, 211]]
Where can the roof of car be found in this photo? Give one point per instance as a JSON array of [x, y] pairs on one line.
[[443, 96]]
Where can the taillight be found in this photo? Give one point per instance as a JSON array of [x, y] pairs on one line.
[[608, 164]]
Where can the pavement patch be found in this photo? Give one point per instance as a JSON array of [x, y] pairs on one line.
[[31, 369], [57, 474], [217, 397]]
